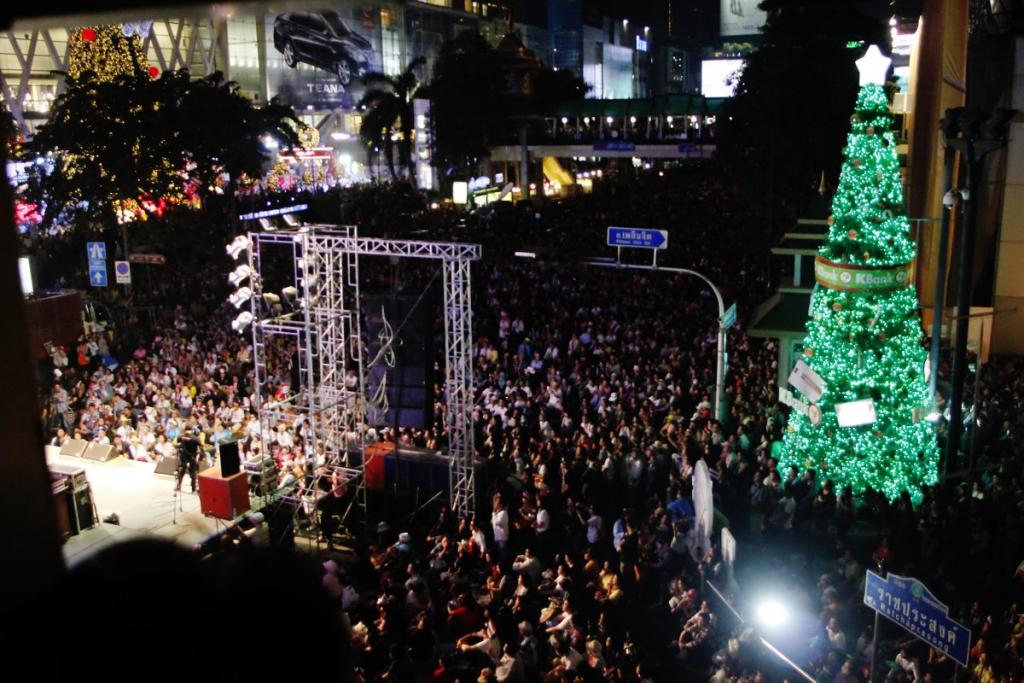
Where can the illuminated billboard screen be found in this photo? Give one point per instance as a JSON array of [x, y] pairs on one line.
[[741, 17], [718, 77], [317, 59]]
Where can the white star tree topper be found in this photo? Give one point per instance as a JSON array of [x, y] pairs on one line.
[[873, 66]]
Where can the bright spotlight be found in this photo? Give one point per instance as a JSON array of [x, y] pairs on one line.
[[240, 297], [237, 246], [239, 274], [772, 613], [242, 321]]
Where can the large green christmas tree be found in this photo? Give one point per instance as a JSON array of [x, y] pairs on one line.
[[864, 336]]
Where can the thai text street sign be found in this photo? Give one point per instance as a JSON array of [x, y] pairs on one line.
[[637, 237], [908, 602], [151, 259]]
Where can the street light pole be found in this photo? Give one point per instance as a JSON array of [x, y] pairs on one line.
[[939, 301], [722, 363], [882, 570]]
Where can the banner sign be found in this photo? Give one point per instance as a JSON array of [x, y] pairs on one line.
[[787, 397], [807, 380], [851, 278], [614, 146], [908, 603], [151, 259]]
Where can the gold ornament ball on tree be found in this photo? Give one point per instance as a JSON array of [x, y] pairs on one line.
[[856, 163], [809, 352], [837, 306], [870, 130], [852, 234], [831, 220]]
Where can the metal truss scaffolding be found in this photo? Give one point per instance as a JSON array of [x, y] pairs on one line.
[[318, 322]]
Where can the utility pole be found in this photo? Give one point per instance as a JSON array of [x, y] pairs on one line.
[[963, 133], [722, 362]]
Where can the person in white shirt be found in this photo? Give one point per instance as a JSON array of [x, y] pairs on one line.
[[908, 664], [500, 525], [542, 525]]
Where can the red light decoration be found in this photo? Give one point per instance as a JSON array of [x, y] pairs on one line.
[[153, 72], [88, 35]]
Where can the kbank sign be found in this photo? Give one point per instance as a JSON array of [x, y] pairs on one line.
[[861, 278]]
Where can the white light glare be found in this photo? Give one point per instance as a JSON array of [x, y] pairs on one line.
[[772, 613], [242, 321], [239, 274]]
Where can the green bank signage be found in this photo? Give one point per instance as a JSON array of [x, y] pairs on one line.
[[861, 278]]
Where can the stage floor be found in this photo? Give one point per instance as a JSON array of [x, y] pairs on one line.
[[144, 502]]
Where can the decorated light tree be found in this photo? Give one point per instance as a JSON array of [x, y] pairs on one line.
[[108, 52], [863, 343]]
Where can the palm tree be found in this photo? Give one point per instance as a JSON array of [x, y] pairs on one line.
[[389, 102]]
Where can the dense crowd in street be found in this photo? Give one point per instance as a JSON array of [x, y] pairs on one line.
[[594, 394]]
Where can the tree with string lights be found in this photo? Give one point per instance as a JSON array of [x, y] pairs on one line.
[[107, 52], [124, 141], [863, 343]]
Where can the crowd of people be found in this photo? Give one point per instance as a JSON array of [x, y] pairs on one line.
[[594, 393]]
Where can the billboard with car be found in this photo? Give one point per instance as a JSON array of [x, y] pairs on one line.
[[318, 58]]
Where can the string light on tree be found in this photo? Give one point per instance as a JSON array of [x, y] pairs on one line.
[[864, 333], [107, 52]]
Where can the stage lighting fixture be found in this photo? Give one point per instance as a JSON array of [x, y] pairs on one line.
[[273, 302], [237, 246], [240, 297], [290, 296], [242, 321], [239, 274]]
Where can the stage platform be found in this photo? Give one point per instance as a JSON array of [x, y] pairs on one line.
[[144, 502]]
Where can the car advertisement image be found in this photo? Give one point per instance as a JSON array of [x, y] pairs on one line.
[[322, 59]]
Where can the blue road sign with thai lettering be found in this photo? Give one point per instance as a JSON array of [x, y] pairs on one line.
[[908, 603], [637, 237]]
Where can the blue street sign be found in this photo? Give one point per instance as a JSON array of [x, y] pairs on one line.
[[98, 276], [637, 237], [729, 319], [615, 146], [96, 251], [908, 603]]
